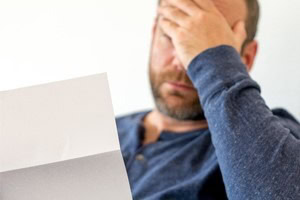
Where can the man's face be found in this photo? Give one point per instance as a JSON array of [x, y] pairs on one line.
[[172, 90]]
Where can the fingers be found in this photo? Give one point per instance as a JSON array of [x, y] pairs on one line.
[[187, 6], [168, 27], [240, 33], [173, 14], [192, 7], [206, 5]]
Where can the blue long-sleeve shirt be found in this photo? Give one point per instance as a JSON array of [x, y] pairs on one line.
[[248, 152]]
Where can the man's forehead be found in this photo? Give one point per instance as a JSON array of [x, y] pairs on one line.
[[233, 10]]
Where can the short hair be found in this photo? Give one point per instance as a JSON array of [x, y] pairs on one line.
[[252, 19], [253, 14]]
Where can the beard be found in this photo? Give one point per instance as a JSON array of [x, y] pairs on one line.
[[186, 105]]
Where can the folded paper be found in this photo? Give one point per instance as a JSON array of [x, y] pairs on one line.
[[59, 141]]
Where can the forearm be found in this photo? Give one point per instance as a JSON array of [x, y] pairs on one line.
[[259, 157]]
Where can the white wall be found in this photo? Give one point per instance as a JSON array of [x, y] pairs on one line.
[[43, 41], [278, 63]]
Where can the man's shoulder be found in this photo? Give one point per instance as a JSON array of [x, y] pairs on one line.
[[288, 121], [131, 119], [280, 112], [128, 126]]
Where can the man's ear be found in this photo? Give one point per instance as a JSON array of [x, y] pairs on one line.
[[249, 54]]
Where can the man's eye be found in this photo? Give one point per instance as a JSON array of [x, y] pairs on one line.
[[166, 37]]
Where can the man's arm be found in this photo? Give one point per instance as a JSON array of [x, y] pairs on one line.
[[259, 157]]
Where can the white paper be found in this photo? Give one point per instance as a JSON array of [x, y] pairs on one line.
[[59, 141]]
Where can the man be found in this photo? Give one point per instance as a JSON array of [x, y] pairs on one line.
[[211, 135]]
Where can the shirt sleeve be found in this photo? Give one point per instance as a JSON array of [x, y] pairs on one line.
[[259, 157]]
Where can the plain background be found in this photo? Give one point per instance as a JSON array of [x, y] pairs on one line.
[[43, 41]]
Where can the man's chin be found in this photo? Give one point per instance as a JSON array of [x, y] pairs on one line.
[[175, 102], [180, 110]]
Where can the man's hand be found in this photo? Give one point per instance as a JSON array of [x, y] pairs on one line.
[[196, 25]]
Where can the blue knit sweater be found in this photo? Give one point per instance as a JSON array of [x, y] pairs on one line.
[[249, 152]]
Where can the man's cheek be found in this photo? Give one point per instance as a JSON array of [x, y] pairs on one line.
[[162, 57]]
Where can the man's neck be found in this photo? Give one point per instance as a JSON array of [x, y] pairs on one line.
[[156, 122]]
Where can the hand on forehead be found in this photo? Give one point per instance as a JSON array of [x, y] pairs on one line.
[[202, 4], [196, 25], [232, 10]]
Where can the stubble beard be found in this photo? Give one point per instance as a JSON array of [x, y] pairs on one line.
[[188, 109]]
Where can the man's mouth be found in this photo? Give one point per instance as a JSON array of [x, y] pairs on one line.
[[180, 85]]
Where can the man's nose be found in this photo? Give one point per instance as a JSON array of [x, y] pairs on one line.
[[177, 63]]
